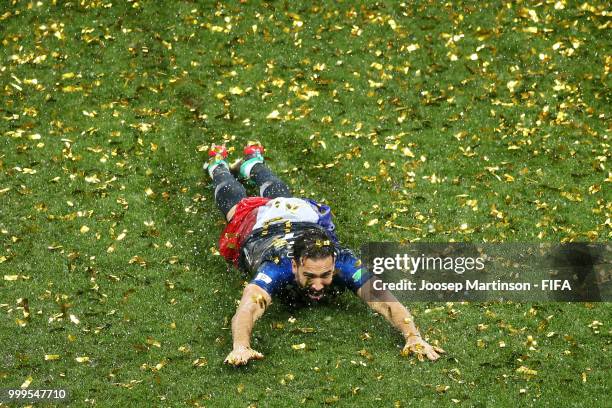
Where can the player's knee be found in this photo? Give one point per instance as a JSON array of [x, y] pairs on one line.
[[230, 189], [275, 188]]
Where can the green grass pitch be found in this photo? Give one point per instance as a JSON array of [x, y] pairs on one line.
[[429, 121]]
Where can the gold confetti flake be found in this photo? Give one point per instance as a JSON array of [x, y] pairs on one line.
[[143, 127], [511, 85], [407, 152], [200, 362], [26, 383], [274, 115], [278, 82], [374, 84], [319, 67], [92, 179], [526, 371], [442, 388]]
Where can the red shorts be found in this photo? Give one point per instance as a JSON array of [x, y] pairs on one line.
[[239, 227]]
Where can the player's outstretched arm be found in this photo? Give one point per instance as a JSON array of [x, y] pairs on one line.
[[252, 306], [387, 305]]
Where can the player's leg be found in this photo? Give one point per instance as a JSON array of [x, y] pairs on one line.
[[228, 190], [268, 183], [252, 167]]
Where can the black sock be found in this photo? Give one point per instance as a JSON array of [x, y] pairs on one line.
[[228, 190], [269, 185]]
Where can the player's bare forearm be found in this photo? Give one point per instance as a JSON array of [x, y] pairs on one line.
[[396, 314], [242, 327], [387, 305], [384, 303], [252, 305]]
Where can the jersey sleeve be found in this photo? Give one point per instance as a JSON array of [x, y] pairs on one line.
[[351, 271], [272, 276]]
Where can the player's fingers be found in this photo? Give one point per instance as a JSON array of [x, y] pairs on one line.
[[237, 359], [432, 355], [439, 349], [257, 355]]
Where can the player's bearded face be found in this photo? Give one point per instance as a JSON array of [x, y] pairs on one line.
[[314, 275]]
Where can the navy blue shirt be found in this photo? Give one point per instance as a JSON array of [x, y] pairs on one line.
[[273, 277]]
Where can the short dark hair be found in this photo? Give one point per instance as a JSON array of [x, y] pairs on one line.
[[313, 243]]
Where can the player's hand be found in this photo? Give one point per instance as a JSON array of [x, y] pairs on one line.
[[241, 355], [416, 345]]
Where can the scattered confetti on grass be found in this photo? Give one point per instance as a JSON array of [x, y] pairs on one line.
[[431, 121]]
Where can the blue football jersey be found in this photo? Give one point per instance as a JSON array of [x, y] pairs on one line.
[[276, 275]]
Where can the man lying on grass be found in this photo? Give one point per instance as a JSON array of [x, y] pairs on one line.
[[290, 246]]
